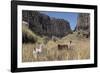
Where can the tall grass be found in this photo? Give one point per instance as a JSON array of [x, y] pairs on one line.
[[81, 50]]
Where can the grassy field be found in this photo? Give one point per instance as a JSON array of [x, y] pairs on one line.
[[81, 50]]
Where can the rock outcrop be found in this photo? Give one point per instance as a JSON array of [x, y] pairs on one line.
[[42, 24], [83, 22]]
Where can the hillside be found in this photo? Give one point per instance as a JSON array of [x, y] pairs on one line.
[[42, 24]]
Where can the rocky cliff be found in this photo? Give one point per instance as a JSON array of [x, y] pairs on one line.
[[83, 25], [42, 24], [83, 22]]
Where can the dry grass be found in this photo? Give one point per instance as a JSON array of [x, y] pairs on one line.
[[81, 50]]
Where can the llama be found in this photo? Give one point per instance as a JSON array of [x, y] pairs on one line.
[[38, 49], [71, 45], [67, 46], [60, 47]]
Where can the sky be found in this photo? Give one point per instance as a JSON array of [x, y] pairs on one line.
[[69, 16]]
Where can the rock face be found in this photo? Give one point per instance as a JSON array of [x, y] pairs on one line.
[[83, 22], [42, 24]]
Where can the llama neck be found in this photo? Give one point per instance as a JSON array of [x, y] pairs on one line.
[[40, 46]]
